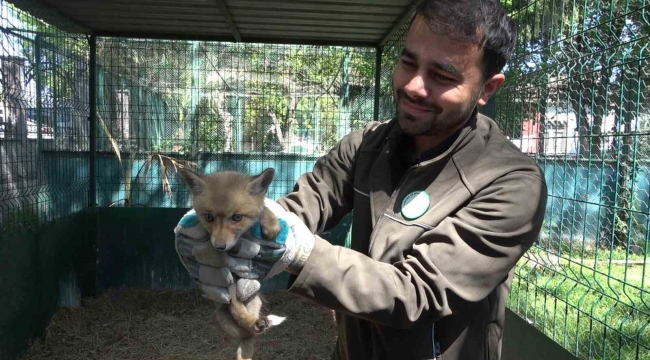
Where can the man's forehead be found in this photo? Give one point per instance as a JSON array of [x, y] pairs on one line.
[[425, 45]]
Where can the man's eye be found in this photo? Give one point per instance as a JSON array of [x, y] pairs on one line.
[[236, 218], [209, 217], [408, 63], [443, 78]]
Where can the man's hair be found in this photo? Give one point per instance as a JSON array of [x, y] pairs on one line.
[[481, 22]]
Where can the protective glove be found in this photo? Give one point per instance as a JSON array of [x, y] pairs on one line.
[[288, 251], [210, 268]]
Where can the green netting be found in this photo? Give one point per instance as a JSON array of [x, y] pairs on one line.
[[222, 106], [576, 101], [43, 122], [391, 52]]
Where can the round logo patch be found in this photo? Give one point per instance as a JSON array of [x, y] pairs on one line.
[[415, 205]]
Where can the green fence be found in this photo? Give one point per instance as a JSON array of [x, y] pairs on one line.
[[576, 100], [43, 109], [221, 106]]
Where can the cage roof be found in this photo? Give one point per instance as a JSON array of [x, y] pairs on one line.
[[321, 22]]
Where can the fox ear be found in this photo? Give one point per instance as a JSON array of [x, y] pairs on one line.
[[260, 184], [192, 180]]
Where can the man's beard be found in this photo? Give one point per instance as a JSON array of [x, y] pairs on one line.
[[437, 122]]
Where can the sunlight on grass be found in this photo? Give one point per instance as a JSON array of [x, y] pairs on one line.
[[595, 309]]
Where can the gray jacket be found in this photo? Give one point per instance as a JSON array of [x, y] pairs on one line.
[[428, 274]]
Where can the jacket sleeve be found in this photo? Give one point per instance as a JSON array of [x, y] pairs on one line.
[[322, 197], [461, 260]]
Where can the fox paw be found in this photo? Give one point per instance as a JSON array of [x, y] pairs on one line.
[[260, 325], [271, 231]]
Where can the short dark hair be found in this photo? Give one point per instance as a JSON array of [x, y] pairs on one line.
[[482, 22]]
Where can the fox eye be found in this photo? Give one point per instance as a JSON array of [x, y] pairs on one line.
[[236, 218], [209, 217]]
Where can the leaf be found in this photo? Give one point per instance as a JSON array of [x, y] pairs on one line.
[[116, 148], [147, 165]]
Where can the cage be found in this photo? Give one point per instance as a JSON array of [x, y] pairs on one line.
[[103, 100]]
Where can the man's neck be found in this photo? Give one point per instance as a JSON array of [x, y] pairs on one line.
[[424, 143], [427, 142]]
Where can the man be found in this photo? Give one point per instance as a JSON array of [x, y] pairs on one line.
[[444, 206]]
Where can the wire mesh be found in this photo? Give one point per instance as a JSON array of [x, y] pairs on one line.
[[220, 106], [576, 101], [391, 52], [43, 122]]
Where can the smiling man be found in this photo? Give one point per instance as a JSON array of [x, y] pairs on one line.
[[444, 206]]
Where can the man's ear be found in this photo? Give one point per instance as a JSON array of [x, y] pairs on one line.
[[490, 87], [260, 184], [192, 180]]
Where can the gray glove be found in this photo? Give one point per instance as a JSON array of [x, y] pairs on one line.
[[213, 270]]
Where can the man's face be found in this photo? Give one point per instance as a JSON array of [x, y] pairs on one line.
[[438, 82]]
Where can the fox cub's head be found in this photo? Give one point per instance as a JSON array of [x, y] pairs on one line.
[[228, 203]]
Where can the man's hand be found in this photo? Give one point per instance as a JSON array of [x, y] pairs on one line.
[[211, 269], [289, 250], [252, 258]]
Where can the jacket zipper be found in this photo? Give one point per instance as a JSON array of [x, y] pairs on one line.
[[437, 354]]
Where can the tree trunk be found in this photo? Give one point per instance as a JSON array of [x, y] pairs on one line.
[[624, 143], [600, 107], [15, 150], [579, 90], [121, 128], [228, 120], [344, 125], [278, 128], [290, 119], [626, 162]]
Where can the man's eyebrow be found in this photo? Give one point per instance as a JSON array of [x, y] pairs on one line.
[[446, 67], [408, 53]]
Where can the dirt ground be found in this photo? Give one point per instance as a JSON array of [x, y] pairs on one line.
[[169, 324]]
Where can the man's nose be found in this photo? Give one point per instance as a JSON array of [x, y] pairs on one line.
[[416, 87]]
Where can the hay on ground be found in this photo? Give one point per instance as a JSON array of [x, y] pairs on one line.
[[170, 324]]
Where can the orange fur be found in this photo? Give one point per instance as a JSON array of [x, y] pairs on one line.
[[228, 204]]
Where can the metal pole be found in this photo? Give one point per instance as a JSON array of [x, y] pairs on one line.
[[39, 103], [92, 84], [377, 82]]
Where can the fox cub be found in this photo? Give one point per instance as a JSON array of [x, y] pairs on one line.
[[228, 204]]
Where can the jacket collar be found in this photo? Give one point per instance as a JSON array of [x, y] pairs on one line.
[[381, 187]]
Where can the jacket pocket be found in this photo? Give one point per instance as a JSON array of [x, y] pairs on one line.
[[493, 341]]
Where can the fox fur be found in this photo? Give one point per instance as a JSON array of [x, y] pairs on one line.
[[228, 204]]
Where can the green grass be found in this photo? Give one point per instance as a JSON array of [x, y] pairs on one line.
[[595, 309], [18, 219]]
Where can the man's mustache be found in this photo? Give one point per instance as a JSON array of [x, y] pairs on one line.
[[401, 94]]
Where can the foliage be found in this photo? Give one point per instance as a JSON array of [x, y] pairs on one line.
[[63, 57], [589, 58], [21, 218], [225, 95], [594, 309]]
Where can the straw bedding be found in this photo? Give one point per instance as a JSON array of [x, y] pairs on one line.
[[171, 324]]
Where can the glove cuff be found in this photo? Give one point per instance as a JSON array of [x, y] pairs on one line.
[[302, 253]]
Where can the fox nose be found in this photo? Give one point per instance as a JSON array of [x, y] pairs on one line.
[[219, 246]]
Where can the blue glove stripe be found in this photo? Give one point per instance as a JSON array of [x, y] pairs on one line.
[[189, 220], [284, 232], [256, 231]]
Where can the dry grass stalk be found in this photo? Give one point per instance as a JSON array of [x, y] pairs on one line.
[[165, 163]]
